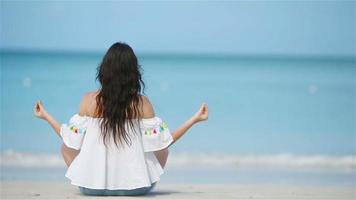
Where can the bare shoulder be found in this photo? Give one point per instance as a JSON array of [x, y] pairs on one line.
[[88, 104], [146, 107]]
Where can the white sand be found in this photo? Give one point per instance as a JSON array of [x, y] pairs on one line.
[[63, 190]]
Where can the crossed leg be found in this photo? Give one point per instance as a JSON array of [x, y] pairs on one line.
[[69, 155], [162, 156]]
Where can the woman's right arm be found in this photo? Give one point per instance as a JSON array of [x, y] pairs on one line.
[[199, 116]]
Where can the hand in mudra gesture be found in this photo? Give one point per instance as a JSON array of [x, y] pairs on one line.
[[39, 110], [202, 114]]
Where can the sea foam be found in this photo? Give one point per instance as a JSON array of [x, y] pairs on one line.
[[11, 158]]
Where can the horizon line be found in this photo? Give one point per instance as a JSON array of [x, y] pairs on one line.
[[185, 55]]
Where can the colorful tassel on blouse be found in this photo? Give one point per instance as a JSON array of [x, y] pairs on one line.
[[155, 131], [76, 130]]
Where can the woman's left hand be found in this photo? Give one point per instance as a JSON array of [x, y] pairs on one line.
[[40, 111]]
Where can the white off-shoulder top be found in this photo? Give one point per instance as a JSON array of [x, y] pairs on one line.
[[107, 167]]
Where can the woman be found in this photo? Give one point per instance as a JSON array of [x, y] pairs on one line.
[[116, 145]]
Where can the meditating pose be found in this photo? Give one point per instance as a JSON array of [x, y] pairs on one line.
[[116, 145]]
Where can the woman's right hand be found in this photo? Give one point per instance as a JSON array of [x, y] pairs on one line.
[[199, 116], [40, 111], [202, 114]]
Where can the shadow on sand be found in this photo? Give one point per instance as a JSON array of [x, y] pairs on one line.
[[161, 193]]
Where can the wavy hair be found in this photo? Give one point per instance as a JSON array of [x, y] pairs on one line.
[[119, 97]]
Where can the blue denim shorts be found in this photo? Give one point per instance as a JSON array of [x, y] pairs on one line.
[[105, 192]]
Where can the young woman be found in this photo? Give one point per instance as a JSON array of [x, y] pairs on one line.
[[116, 145]]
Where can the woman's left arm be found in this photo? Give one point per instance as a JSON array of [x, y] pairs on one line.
[[41, 113]]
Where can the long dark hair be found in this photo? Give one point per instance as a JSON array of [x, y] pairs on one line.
[[119, 97]]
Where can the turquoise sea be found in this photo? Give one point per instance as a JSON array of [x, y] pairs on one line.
[[283, 112]]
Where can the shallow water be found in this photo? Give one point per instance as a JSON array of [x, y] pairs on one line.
[[257, 105]]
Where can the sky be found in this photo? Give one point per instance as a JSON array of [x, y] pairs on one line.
[[320, 28]]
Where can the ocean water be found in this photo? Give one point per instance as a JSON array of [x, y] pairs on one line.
[[286, 113]]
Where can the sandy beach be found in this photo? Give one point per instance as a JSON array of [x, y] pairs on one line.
[[63, 190]]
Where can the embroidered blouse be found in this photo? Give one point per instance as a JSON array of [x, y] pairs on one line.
[[110, 167]]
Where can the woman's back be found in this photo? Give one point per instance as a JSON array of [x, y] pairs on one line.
[[88, 106], [107, 165]]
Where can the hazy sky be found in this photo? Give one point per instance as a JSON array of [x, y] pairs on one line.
[[273, 27]]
